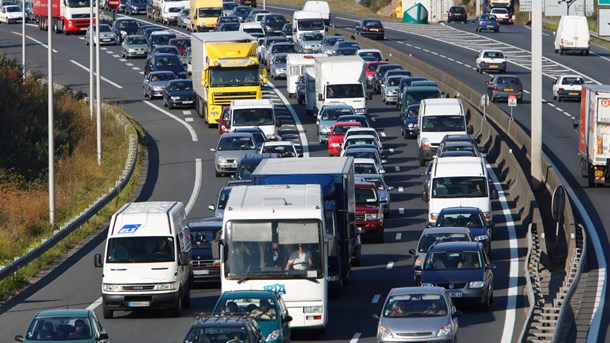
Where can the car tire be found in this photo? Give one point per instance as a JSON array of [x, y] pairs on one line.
[[186, 302], [558, 99], [497, 30], [561, 51], [177, 310], [480, 70], [144, 91], [422, 162], [108, 314], [217, 173]]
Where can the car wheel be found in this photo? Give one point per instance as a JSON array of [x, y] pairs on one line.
[[480, 70], [177, 310], [218, 174], [422, 162], [558, 99], [108, 314], [492, 98], [561, 51], [186, 302], [144, 91], [497, 30]]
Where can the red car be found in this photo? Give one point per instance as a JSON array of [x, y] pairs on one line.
[[181, 43], [369, 211], [370, 72], [336, 134], [223, 122]]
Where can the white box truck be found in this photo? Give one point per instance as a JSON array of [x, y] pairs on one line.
[[340, 79], [594, 134], [295, 67], [147, 263]]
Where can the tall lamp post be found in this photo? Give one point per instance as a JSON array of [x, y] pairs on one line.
[[50, 115], [23, 4]]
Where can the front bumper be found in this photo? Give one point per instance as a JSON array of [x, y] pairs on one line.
[[130, 302], [226, 167], [182, 102]]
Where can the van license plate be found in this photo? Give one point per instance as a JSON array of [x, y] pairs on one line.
[[201, 272], [138, 303]]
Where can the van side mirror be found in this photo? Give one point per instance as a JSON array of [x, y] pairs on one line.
[[418, 268], [494, 194], [278, 122], [369, 96], [184, 258], [287, 319], [216, 249], [412, 251], [97, 260], [470, 129], [425, 197]]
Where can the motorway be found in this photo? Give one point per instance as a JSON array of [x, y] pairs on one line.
[[176, 158]]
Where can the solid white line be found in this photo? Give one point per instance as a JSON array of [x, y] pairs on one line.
[[513, 275], [95, 304], [355, 338], [296, 119], [188, 127], [347, 19], [103, 78], [390, 265], [196, 186], [35, 40], [398, 236], [376, 298]]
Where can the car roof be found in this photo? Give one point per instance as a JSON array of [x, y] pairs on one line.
[[278, 143], [443, 246], [237, 134], [364, 160], [248, 293], [465, 209], [416, 290], [63, 313]]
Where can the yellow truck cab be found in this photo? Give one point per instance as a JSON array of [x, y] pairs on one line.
[[204, 14]]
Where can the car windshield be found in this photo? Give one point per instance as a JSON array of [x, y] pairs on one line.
[[330, 41], [135, 40], [572, 81], [229, 5], [460, 147], [394, 81], [275, 19], [166, 50], [280, 59], [461, 220], [443, 123], [493, 54], [168, 61], [78, 3], [260, 309], [412, 112], [228, 19], [356, 141], [315, 36], [415, 305], [375, 54], [365, 168], [283, 150], [427, 240], [59, 329], [334, 113], [180, 86], [162, 77], [348, 45], [203, 237], [372, 23], [366, 195], [283, 48], [508, 81], [253, 117], [488, 17], [242, 10], [459, 187], [242, 76], [161, 39], [236, 143], [377, 182], [210, 12], [340, 129], [361, 154], [128, 24], [181, 43], [105, 28], [452, 260]]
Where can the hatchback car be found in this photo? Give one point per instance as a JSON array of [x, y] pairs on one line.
[[273, 24], [567, 87], [418, 314], [463, 269], [487, 22], [225, 328], [159, 38], [471, 218], [282, 148], [310, 42], [390, 90], [165, 62], [287, 31], [457, 13], [491, 60], [259, 135], [371, 54], [231, 147], [371, 68], [367, 166], [70, 325], [11, 14], [179, 93], [383, 190], [380, 72], [205, 268], [501, 86], [107, 35], [327, 44], [278, 48], [278, 66], [405, 83], [336, 134], [345, 44], [184, 19], [502, 14], [267, 308], [134, 46], [125, 26], [372, 28], [135, 7], [432, 235], [155, 82], [327, 117], [409, 121]]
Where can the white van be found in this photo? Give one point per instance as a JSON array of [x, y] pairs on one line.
[[147, 259], [572, 35], [295, 67], [459, 182], [303, 21], [254, 113], [254, 29], [438, 117], [320, 7]]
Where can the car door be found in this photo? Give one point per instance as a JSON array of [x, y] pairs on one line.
[[284, 317]]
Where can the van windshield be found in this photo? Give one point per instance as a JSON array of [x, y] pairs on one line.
[[434, 123], [344, 91], [459, 187], [310, 24], [417, 96], [140, 249], [253, 117]]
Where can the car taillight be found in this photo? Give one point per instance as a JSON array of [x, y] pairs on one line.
[[495, 88], [520, 90], [365, 27], [562, 89], [503, 62], [562, 41], [381, 29]]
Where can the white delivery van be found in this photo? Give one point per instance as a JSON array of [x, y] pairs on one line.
[[572, 35], [147, 263], [295, 67], [320, 7], [459, 182], [438, 117], [254, 113], [254, 29], [304, 21]]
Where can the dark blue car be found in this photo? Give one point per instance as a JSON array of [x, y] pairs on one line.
[[409, 121], [471, 218], [205, 269], [487, 22], [165, 62], [179, 93]]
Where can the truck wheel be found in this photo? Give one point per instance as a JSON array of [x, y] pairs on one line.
[[591, 177], [108, 314], [177, 310], [561, 51], [186, 302]]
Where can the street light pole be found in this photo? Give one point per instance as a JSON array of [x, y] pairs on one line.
[[98, 85], [536, 104], [51, 136], [23, 4], [91, 2]]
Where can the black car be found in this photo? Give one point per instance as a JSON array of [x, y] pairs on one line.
[[372, 28], [471, 218], [227, 19], [135, 7], [227, 328], [248, 164], [346, 51], [457, 13], [179, 93], [159, 38], [205, 269], [287, 31], [242, 12], [409, 121], [227, 27], [165, 62], [125, 26], [463, 269], [273, 24]]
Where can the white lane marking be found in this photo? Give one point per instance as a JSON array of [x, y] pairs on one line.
[[373, 119], [382, 134], [103, 78], [116, 56], [376, 298], [600, 56], [141, 73], [399, 236], [136, 68], [296, 119], [109, 52], [196, 186], [101, 48], [188, 127], [355, 338], [391, 150], [397, 168], [401, 189], [122, 60], [189, 119], [95, 304], [529, 28], [186, 112], [35, 40], [347, 19], [401, 211], [390, 265], [513, 275], [129, 64]]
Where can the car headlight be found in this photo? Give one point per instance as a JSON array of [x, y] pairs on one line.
[[480, 238], [388, 92], [373, 216], [410, 125], [384, 332], [445, 330], [172, 286], [312, 309], [131, 50], [427, 284], [175, 97], [476, 284], [370, 77], [106, 287], [123, 33], [323, 128], [418, 262], [273, 335], [221, 159]]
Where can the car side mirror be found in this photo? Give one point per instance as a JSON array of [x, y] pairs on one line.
[[425, 197], [490, 266], [278, 122], [97, 260], [412, 251], [390, 188], [287, 319], [216, 249], [212, 150], [456, 314], [494, 194], [470, 129]]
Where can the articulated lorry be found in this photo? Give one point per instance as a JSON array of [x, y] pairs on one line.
[[225, 68], [594, 134], [204, 14], [336, 177], [340, 79], [68, 16]]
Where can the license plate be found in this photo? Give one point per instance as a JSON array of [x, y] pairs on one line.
[[140, 52], [455, 295], [106, 40], [374, 30], [493, 66], [490, 26], [201, 272], [508, 89], [573, 93], [138, 303], [187, 102]]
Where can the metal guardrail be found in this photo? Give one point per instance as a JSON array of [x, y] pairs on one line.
[[79, 220]]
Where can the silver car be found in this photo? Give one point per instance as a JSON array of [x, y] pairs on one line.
[[278, 66], [155, 82], [107, 36], [184, 18], [328, 43], [383, 190], [230, 149], [134, 46], [390, 89], [310, 42], [416, 314], [221, 202]]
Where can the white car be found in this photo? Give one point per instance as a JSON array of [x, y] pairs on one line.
[[360, 140], [359, 130], [491, 60], [367, 166], [502, 14], [283, 148], [11, 14], [567, 87]]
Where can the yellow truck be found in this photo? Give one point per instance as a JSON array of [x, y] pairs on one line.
[[204, 14], [225, 68]]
